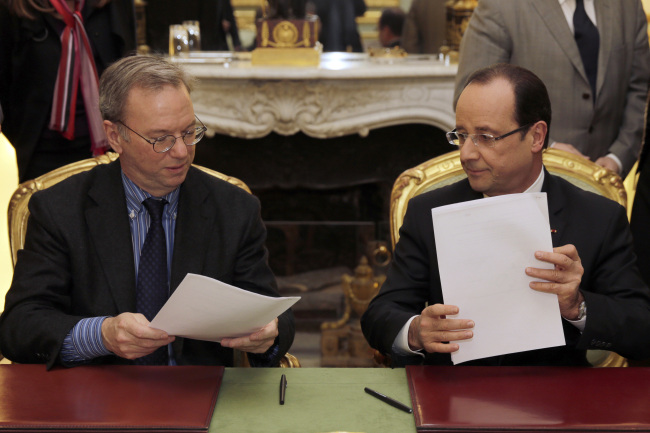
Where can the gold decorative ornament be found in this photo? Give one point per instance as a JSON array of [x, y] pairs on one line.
[[287, 42], [342, 342], [285, 35]]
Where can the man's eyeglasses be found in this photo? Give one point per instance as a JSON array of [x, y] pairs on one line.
[[480, 140], [166, 142]]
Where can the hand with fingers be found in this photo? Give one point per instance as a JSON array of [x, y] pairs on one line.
[[434, 332], [257, 342], [608, 163], [129, 336], [563, 280]]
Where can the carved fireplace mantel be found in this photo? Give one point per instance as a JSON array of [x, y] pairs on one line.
[[347, 94]]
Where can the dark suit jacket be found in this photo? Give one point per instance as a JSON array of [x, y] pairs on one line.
[[618, 302], [338, 24], [78, 261], [30, 51], [640, 218]]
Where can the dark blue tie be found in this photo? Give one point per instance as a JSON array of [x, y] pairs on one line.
[[588, 40], [153, 288]]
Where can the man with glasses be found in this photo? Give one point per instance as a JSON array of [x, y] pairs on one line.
[[502, 121], [81, 290]]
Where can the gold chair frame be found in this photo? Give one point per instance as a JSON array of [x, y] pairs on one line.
[[18, 212], [446, 169]]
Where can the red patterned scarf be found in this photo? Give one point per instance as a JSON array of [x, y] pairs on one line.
[[77, 66]]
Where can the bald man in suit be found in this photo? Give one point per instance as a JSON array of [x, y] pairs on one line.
[[539, 35]]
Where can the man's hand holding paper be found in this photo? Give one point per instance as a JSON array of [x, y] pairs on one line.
[[129, 336], [431, 330], [257, 342], [203, 308], [564, 280]]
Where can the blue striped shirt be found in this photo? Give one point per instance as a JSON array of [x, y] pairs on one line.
[[84, 341]]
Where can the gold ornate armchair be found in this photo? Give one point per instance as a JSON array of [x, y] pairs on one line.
[[446, 169], [18, 213]]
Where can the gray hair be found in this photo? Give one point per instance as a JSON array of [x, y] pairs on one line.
[[146, 72]]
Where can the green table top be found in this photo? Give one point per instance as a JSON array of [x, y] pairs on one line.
[[317, 400]]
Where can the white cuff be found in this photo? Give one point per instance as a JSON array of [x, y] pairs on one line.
[[401, 343], [618, 162], [580, 324]]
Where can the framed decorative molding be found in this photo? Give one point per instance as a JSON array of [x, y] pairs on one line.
[[340, 97]]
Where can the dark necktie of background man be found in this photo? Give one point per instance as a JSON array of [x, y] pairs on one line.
[[588, 40], [153, 287]]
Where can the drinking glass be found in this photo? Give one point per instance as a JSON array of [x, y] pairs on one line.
[[178, 40], [193, 34]]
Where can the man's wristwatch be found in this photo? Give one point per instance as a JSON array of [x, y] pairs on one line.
[[582, 310]]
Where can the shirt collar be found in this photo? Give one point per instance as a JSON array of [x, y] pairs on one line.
[[136, 195], [569, 8]]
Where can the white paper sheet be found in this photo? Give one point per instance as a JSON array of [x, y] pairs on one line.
[[484, 247], [203, 308]]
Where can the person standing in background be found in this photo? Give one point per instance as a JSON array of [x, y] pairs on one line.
[[390, 27], [225, 17], [424, 28], [593, 56], [339, 31], [31, 55]]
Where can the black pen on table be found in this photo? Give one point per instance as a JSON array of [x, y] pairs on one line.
[[389, 400], [283, 388]]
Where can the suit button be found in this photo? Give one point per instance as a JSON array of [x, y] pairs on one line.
[[591, 129], [586, 96]]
